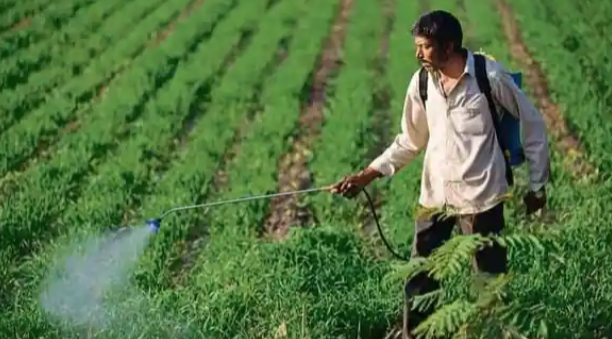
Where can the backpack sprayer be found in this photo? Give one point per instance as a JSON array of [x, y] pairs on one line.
[[155, 223]]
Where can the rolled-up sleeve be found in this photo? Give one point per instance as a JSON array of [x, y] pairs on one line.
[[533, 126], [412, 139]]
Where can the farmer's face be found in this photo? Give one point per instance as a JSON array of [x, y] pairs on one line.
[[428, 54]]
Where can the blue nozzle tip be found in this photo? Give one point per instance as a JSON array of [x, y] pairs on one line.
[[153, 224]]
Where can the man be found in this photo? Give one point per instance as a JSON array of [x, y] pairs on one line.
[[464, 168]]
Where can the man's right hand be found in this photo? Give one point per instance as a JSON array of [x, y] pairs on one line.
[[351, 185]]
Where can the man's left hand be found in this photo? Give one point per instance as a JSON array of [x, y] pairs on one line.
[[535, 201]]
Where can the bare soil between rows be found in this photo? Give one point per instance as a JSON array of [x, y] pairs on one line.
[[162, 35], [292, 168], [22, 24]]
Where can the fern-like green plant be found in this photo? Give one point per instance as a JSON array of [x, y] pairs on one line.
[[446, 321], [485, 311]]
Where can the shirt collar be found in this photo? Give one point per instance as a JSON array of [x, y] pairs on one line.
[[469, 67]]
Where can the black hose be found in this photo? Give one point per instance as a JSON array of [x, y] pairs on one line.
[[373, 210]]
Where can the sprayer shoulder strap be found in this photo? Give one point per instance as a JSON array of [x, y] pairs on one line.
[[423, 85], [485, 87]]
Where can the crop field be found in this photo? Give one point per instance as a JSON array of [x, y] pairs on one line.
[[112, 112]]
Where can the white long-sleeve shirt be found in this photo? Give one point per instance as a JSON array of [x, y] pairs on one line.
[[464, 168]]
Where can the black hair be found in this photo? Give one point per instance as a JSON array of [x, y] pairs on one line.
[[441, 27]]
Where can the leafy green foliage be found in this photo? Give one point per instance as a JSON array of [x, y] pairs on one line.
[[482, 308]]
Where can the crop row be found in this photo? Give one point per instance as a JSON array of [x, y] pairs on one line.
[[595, 15], [495, 43], [352, 280], [400, 192], [346, 134], [257, 283], [131, 171], [185, 178], [14, 11], [582, 90], [58, 63], [190, 179], [71, 101], [21, 63], [107, 195], [308, 284], [42, 25], [565, 286], [48, 187]]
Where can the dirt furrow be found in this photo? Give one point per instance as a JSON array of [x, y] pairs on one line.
[[568, 143], [162, 35], [22, 24], [293, 173]]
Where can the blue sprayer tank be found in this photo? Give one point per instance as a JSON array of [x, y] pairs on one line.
[[510, 131]]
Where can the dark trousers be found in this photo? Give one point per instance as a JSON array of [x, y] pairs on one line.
[[432, 232]]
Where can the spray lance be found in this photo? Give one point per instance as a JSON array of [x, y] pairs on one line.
[[154, 223]]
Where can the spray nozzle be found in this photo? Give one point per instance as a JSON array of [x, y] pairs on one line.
[[153, 224]]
